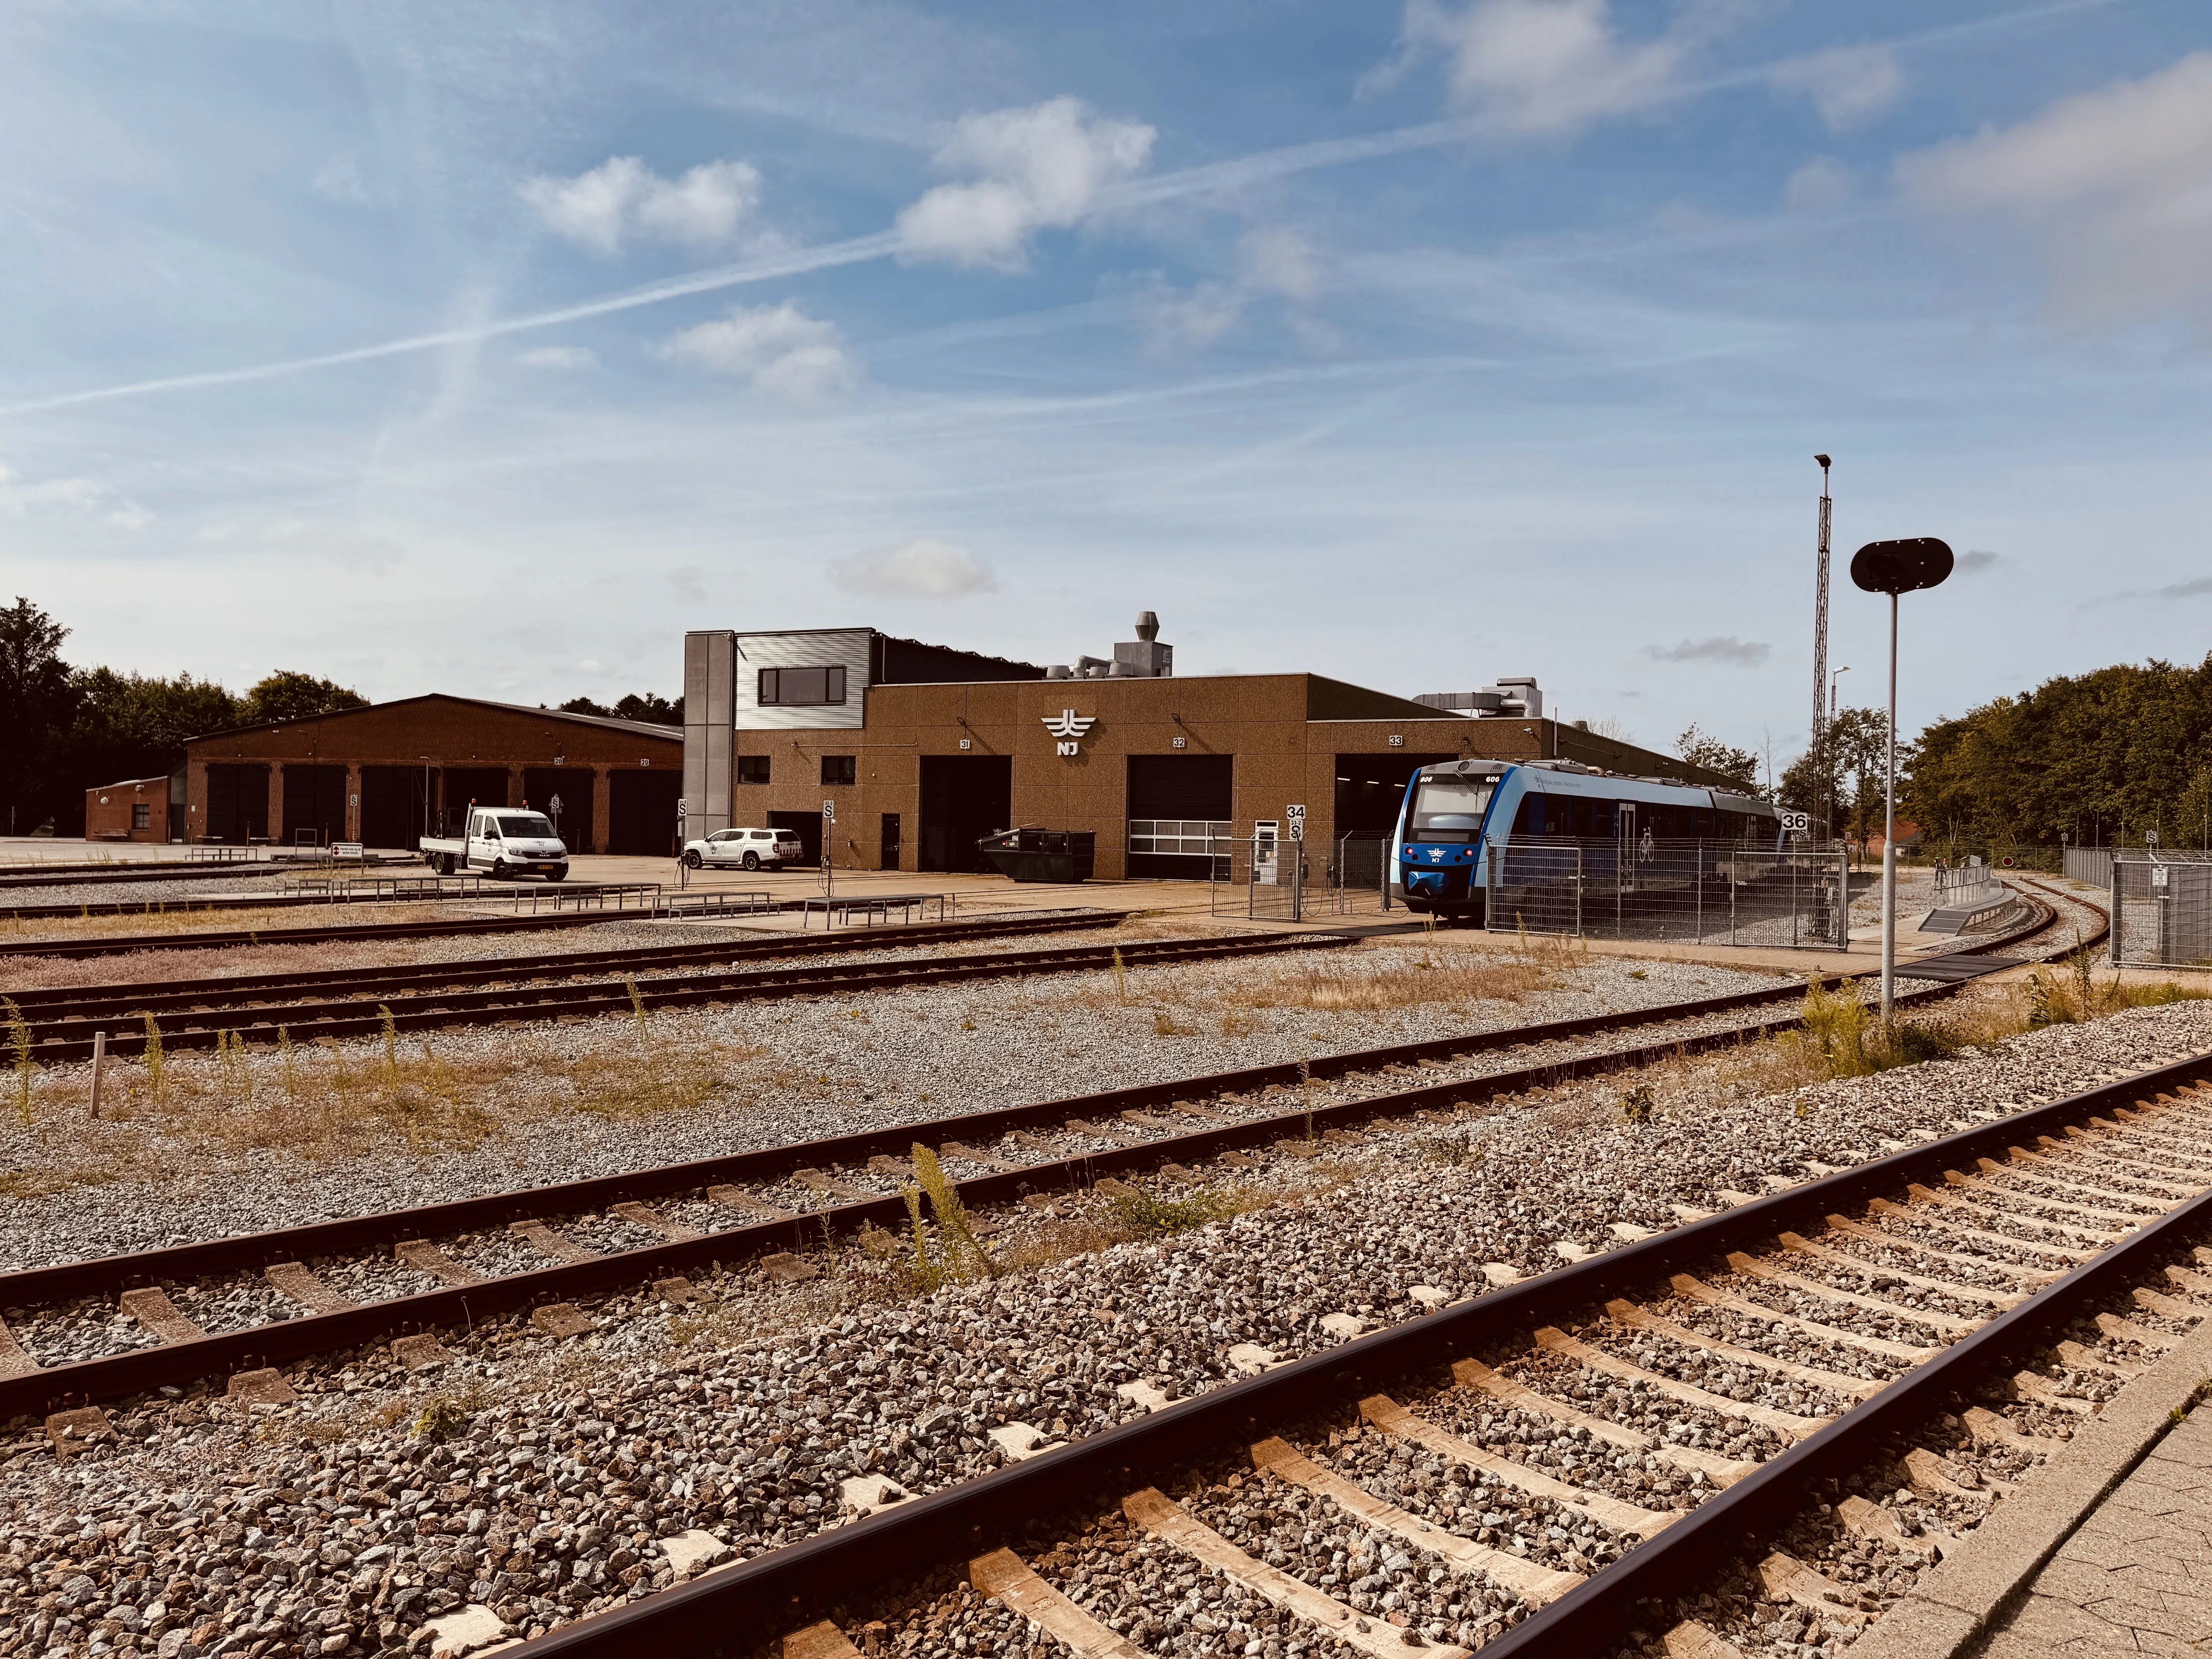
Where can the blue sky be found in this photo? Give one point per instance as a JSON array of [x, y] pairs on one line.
[[485, 348]]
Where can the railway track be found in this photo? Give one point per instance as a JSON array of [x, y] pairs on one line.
[[1922, 1280], [740, 1208], [61, 1020]]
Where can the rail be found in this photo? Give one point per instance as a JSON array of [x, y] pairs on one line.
[[116, 1374]]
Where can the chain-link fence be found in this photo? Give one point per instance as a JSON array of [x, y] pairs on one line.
[[2161, 910], [2094, 864], [1685, 891]]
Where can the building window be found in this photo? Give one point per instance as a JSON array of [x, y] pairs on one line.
[[839, 768], [142, 816], [752, 769], [803, 688]]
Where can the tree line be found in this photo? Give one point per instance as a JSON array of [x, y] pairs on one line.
[[2096, 758], [65, 729]]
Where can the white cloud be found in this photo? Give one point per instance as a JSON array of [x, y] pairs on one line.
[[1547, 69], [923, 568], [1848, 85], [1186, 319], [780, 348], [339, 179], [1040, 166], [559, 357], [1279, 260], [622, 198], [2112, 183], [1822, 182], [86, 496], [1721, 648]]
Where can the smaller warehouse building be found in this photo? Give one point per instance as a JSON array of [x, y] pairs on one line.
[[388, 774], [137, 809]]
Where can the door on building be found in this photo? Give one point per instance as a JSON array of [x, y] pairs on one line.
[[462, 786], [314, 805], [807, 826], [889, 856], [1370, 790], [964, 798], [392, 807], [641, 812], [237, 804], [573, 786], [1267, 844], [1179, 821]]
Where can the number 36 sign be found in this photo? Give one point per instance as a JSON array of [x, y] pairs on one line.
[[1797, 823]]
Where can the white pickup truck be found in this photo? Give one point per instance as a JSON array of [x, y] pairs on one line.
[[501, 841]]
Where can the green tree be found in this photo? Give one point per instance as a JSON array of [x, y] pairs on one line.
[[36, 702], [134, 725], [2100, 756], [289, 695], [1846, 770], [1739, 766], [652, 708]]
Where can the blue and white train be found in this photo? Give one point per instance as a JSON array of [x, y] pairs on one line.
[[1455, 811]]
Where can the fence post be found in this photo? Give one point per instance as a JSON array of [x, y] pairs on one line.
[[1297, 881], [1699, 854], [2116, 908]]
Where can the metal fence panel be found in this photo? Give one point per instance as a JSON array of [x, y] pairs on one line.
[[2161, 911], [1670, 891], [1269, 879]]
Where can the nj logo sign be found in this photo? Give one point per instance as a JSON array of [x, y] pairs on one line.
[[1068, 726]]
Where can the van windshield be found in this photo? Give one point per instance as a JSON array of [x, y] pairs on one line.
[[530, 826], [1451, 804]]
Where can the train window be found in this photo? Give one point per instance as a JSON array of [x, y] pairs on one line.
[[1451, 804]]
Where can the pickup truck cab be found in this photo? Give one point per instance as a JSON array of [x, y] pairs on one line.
[[749, 849], [499, 842]]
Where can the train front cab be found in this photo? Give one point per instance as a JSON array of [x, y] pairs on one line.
[[1440, 839]]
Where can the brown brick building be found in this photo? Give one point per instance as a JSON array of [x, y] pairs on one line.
[[137, 809], [1157, 767], [382, 774]]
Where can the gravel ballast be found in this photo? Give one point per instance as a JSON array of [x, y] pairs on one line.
[[567, 1466], [769, 1073]]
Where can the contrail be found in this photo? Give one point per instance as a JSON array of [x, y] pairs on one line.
[[1210, 176], [856, 251]]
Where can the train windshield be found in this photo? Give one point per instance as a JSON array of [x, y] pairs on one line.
[[1450, 804]]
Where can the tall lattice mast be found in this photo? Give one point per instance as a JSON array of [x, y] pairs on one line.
[[1820, 660]]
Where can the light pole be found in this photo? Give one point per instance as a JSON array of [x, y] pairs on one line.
[[1828, 763], [1826, 803], [1895, 567]]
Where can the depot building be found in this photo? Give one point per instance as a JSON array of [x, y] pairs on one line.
[[389, 774], [906, 755]]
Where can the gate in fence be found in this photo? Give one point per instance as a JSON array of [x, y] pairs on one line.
[[1684, 891], [2161, 911], [1266, 877]]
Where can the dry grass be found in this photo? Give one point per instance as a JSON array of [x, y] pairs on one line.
[[1373, 977], [160, 917], [328, 1103]]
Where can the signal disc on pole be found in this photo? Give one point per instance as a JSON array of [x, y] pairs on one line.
[[1901, 567]]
